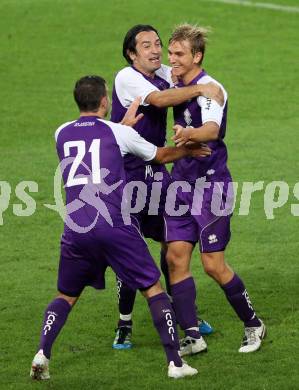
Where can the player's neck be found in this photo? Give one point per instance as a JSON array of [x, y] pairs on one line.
[[188, 77], [100, 113], [145, 72]]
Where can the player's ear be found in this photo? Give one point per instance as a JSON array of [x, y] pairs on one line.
[[105, 102], [197, 57], [131, 55]]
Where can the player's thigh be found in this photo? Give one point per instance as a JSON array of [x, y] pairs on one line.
[[77, 267], [180, 228], [214, 233], [72, 273], [129, 257]]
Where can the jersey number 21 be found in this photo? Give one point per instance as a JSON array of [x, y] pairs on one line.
[[94, 150]]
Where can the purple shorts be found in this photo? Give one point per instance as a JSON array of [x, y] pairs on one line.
[[150, 220], [201, 224], [85, 257]]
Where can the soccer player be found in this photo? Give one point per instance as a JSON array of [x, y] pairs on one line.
[[148, 78], [95, 235], [202, 120]]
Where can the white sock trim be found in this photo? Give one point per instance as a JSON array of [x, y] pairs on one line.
[[194, 328], [125, 317]]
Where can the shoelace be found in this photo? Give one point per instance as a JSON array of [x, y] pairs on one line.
[[123, 334], [250, 335], [186, 341]]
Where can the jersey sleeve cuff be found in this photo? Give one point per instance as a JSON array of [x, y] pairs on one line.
[[212, 120], [153, 155]]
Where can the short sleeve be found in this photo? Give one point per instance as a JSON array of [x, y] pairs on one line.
[[130, 84], [211, 111], [129, 141]]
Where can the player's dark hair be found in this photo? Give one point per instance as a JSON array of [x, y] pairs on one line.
[[129, 44], [88, 93]]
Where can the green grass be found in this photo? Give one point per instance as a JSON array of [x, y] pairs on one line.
[[47, 45]]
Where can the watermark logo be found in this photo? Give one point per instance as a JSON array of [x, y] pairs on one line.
[[179, 198]]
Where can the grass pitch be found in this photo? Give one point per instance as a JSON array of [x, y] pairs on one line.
[[46, 46]]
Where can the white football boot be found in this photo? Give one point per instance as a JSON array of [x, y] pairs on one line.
[[180, 372], [40, 367], [253, 337], [191, 346]]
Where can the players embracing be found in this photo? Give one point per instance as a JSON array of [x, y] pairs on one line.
[[147, 78], [200, 117]]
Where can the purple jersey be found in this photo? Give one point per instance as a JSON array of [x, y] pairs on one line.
[[91, 154], [201, 224], [194, 113], [129, 84]]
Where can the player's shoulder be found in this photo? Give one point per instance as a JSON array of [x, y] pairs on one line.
[[165, 73], [115, 127], [127, 73], [122, 133], [209, 79], [61, 127]]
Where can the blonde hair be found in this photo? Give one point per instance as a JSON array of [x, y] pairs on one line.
[[195, 35]]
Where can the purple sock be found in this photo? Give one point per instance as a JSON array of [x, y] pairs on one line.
[[238, 297], [165, 323], [126, 300], [183, 296], [164, 269], [55, 316]]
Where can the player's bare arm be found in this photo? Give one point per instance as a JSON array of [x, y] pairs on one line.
[[175, 96], [209, 131], [169, 154]]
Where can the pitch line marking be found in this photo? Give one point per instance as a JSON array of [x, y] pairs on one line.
[[271, 6]]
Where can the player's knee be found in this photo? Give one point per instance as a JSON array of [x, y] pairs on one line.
[[153, 290], [70, 300], [213, 268], [174, 261], [210, 269]]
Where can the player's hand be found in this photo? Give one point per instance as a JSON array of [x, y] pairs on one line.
[[198, 150], [130, 118], [213, 91], [182, 135], [174, 78]]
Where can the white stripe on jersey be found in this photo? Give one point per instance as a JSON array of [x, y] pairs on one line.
[[130, 84], [129, 141], [62, 127], [211, 111]]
